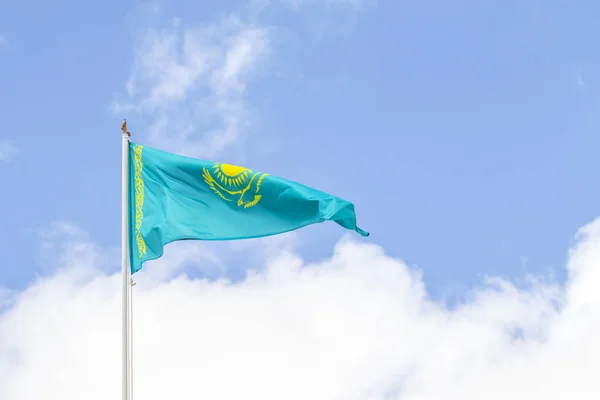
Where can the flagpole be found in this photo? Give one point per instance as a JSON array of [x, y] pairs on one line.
[[131, 285], [125, 273]]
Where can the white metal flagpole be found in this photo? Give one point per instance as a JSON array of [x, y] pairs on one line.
[[125, 273], [131, 285]]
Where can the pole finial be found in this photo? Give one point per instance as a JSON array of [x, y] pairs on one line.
[[124, 128]]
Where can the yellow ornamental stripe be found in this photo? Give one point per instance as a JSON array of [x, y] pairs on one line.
[[139, 198]]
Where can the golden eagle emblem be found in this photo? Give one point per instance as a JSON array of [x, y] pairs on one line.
[[231, 182]]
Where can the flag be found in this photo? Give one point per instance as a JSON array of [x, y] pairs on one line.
[[172, 197]]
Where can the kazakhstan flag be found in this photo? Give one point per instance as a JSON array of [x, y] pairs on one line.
[[173, 197]]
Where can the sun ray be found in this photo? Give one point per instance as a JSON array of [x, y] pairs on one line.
[[228, 180], [231, 175]]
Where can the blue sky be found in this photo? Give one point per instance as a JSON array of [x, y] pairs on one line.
[[465, 132]]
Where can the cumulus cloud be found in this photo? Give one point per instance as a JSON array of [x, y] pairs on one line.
[[359, 325], [7, 150], [192, 82]]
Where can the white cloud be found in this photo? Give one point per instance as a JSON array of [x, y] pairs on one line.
[[3, 42], [192, 82], [357, 326], [7, 150], [579, 76]]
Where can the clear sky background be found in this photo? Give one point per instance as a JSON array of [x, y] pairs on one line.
[[465, 132]]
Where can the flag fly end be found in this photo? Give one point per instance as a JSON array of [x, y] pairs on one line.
[[362, 232]]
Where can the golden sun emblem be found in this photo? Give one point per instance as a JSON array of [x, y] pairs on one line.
[[230, 182]]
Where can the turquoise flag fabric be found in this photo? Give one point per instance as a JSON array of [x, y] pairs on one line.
[[173, 197]]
